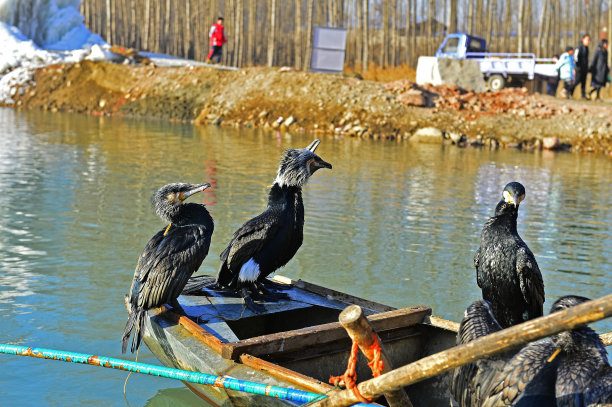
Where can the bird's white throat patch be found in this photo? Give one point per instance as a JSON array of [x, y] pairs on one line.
[[249, 272]]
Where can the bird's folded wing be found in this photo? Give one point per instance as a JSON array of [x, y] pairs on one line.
[[530, 280], [519, 372], [249, 239], [165, 257]]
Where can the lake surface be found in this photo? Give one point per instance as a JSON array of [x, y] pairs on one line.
[[394, 223]]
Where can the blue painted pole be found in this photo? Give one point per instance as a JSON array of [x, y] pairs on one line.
[[227, 382]]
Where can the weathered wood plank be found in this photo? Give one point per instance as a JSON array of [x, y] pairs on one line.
[[305, 382], [443, 323], [486, 346], [293, 340], [196, 330], [336, 295]]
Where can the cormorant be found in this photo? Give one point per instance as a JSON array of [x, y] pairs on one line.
[[567, 369], [469, 383], [170, 257], [523, 378], [584, 376], [506, 269], [268, 241]]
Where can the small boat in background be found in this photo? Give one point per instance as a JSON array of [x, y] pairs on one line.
[[297, 342]]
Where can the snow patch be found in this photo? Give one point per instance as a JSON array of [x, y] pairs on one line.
[[37, 33]]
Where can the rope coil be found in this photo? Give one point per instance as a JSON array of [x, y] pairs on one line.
[[350, 375]]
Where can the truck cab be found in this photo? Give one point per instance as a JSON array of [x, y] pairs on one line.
[[460, 45]]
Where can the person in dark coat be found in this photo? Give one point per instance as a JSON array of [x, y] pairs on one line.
[[599, 68], [582, 64]]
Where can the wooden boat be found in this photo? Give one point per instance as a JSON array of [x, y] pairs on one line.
[[296, 343]]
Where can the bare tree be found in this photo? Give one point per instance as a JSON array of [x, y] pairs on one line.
[[453, 16], [519, 33], [309, 24], [272, 31], [366, 36]]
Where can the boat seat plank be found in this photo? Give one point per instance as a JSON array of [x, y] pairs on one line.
[[320, 334]]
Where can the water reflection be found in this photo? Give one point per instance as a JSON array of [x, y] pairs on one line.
[[395, 223]]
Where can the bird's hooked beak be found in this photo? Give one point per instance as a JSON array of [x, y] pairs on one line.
[[319, 163], [513, 198], [197, 188]]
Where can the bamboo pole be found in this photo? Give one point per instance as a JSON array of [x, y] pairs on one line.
[[606, 338], [227, 382], [359, 329], [487, 346]]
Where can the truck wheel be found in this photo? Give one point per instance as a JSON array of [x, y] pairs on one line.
[[496, 82]]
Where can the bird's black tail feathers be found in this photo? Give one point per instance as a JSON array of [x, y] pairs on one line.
[[135, 321], [225, 277]]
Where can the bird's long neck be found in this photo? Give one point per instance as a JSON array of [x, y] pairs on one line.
[[285, 192], [287, 198], [191, 214], [581, 340], [505, 216]]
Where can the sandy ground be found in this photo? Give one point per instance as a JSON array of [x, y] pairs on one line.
[[281, 98]]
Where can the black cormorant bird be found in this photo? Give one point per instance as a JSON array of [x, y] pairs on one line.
[[518, 378], [469, 383], [567, 369], [268, 241], [506, 269], [170, 257], [584, 377]]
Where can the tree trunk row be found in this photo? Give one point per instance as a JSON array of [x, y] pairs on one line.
[[381, 32]]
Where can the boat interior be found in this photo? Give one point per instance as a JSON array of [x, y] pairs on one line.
[[301, 333]]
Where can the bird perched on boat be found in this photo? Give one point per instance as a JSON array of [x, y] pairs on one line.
[[269, 240], [523, 378], [584, 376], [506, 270], [170, 257], [567, 369]]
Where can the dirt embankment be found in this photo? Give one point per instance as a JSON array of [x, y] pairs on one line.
[[297, 101]]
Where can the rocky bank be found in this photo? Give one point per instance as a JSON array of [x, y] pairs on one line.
[[280, 98]]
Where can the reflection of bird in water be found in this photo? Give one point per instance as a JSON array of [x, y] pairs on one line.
[[567, 369], [506, 269], [268, 241], [170, 257]]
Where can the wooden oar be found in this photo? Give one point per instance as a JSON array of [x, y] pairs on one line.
[[487, 346]]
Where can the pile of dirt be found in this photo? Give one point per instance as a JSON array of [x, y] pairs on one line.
[[297, 101]]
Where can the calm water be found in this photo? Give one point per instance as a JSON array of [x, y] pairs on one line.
[[395, 223]]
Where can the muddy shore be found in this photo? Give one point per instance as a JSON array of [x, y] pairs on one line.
[[283, 99]]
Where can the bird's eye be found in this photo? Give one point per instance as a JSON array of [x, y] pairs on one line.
[[170, 197], [310, 164]]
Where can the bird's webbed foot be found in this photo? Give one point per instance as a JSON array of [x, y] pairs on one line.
[[271, 284], [268, 293], [176, 307], [250, 304]]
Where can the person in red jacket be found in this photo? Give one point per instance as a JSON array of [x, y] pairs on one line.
[[217, 39]]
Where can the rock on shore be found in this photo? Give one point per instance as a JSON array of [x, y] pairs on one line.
[[287, 100]]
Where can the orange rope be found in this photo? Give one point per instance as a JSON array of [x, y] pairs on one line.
[[376, 365], [350, 375]]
